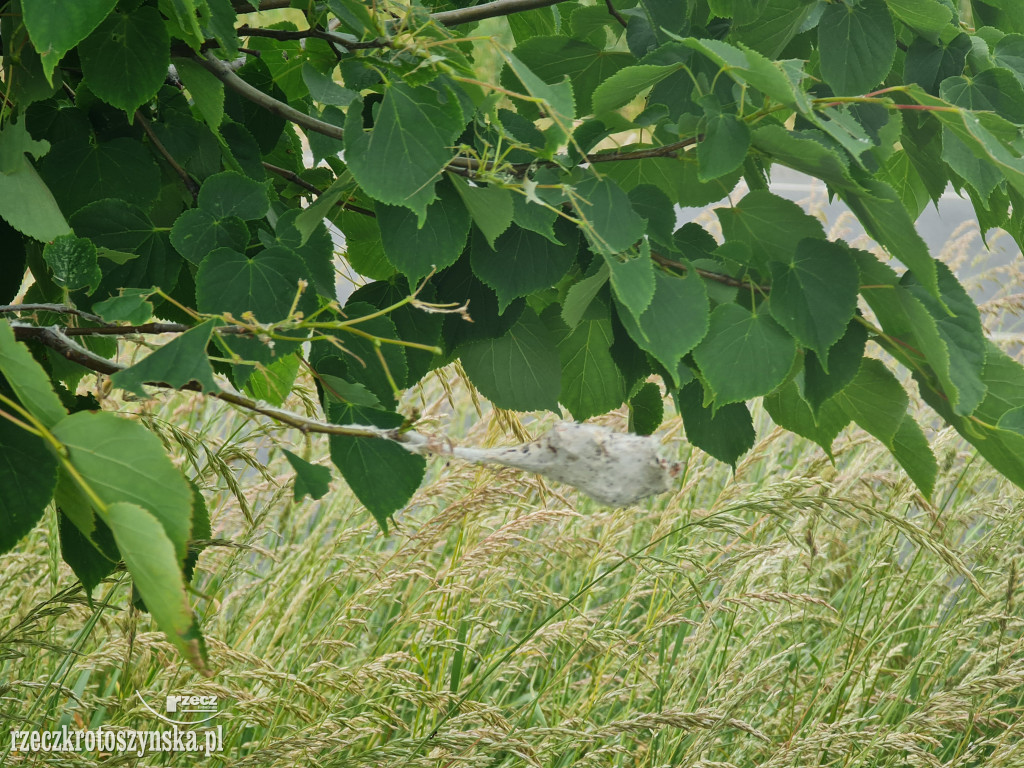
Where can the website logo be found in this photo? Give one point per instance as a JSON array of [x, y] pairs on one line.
[[184, 709]]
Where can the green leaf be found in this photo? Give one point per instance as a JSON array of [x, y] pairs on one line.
[[814, 295], [416, 247], [310, 480], [197, 232], [676, 177], [886, 220], [725, 433], [15, 143], [27, 378], [843, 362], [87, 560], [997, 90], [27, 204], [490, 207], [28, 474], [273, 383], [792, 412], [931, 17], [646, 409], [266, 285], [122, 461], [581, 294], [382, 474], [398, 161], [609, 221], [232, 194], [770, 225], [150, 556], [73, 263], [177, 363], [626, 84], [724, 146], [206, 90], [522, 261], [591, 381], [632, 282], [744, 354], [748, 67], [675, 321], [532, 215], [557, 99], [911, 449], [323, 88], [553, 58], [316, 250], [857, 45], [875, 400], [79, 174], [801, 152], [519, 371], [125, 59], [56, 27]]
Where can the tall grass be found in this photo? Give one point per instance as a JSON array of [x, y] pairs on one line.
[[790, 613]]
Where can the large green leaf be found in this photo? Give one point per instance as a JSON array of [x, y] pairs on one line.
[[724, 146], [400, 159], [770, 225], [609, 221], [178, 362], [805, 152], [153, 562], [633, 282], [28, 205], [28, 474], [591, 380], [768, 26], [382, 474], [748, 67], [676, 177], [125, 59], [646, 409], [744, 354], [197, 232], [725, 433], [232, 194], [28, 379], [674, 322], [121, 461], [520, 370], [206, 90], [556, 96], [417, 246], [930, 17], [857, 44], [79, 174], [792, 412], [626, 84], [523, 261], [814, 295], [823, 379], [56, 27], [491, 207], [996, 90]]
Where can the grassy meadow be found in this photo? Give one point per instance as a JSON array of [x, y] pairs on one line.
[[793, 613]]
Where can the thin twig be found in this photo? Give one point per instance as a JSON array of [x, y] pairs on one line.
[[489, 11], [615, 14], [318, 34], [190, 183], [708, 275], [294, 178], [222, 71], [57, 309]]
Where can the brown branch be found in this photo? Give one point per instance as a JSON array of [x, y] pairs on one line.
[[190, 183], [717, 277], [64, 346], [615, 14], [318, 34], [223, 72], [489, 11], [294, 178], [56, 309]]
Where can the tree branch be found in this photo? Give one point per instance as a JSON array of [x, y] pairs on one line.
[[615, 14], [190, 183], [56, 309], [222, 71], [297, 180], [301, 34], [489, 11], [717, 277]]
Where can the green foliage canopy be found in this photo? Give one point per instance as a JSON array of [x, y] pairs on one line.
[[166, 167]]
